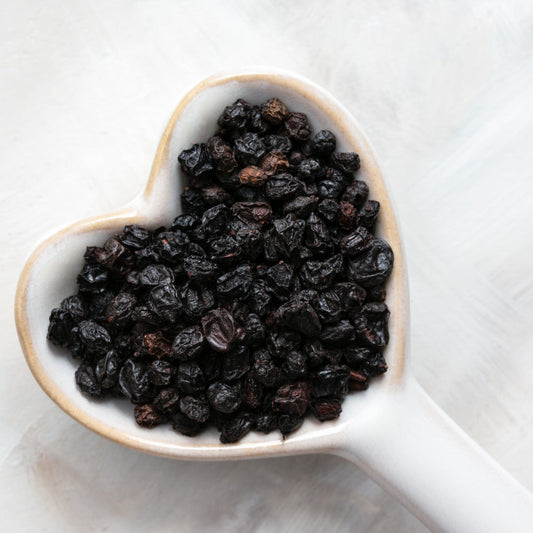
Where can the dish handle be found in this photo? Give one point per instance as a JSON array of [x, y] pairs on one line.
[[418, 454]]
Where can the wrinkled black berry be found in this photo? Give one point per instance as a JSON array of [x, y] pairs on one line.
[[324, 142], [196, 162]]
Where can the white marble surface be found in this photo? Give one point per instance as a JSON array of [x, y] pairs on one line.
[[443, 90]]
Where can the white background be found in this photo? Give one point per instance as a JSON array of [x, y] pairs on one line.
[[444, 91]]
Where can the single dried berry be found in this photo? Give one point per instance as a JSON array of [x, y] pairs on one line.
[[62, 329], [119, 311], [320, 274], [282, 187], [236, 363], [368, 214], [249, 149], [289, 423], [93, 278], [357, 381], [259, 212], [254, 330], [360, 240], [225, 251], [281, 343], [214, 220], [197, 161], [287, 234], [224, 398], [87, 381], [297, 126], [188, 344], [259, 297], [317, 237], [309, 169], [265, 423], [375, 365], [347, 215], [154, 275], [185, 223], [95, 338], [264, 369], [235, 284], [190, 378], [107, 370], [167, 401], [274, 162], [235, 428], [161, 373], [352, 296], [328, 306], [329, 210], [154, 345], [221, 154], [184, 425], [252, 392], [371, 325], [346, 162], [172, 246], [331, 380], [295, 365], [356, 193], [192, 202], [324, 142], [197, 300], [326, 408], [291, 399], [373, 266], [134, 382], [337, 334], [199, 269], [115, 256], [165, 302], [219, 329], [235, 116], [144, 315], [195, 407], [316, 353], [248, 235], [274, 111], [257, 123], [253, 176], [279, 279], [279, 143], [301, 206], [135, 237], [214, 195], [298, 314], [147, 416], [330, 189]]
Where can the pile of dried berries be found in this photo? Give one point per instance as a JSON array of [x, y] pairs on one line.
[[262, 302]]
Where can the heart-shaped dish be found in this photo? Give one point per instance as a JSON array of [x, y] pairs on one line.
[[50, 273]]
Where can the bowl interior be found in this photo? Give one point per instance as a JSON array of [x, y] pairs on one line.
[[50, 274]]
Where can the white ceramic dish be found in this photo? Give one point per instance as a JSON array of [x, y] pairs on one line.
[[392, 431]]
